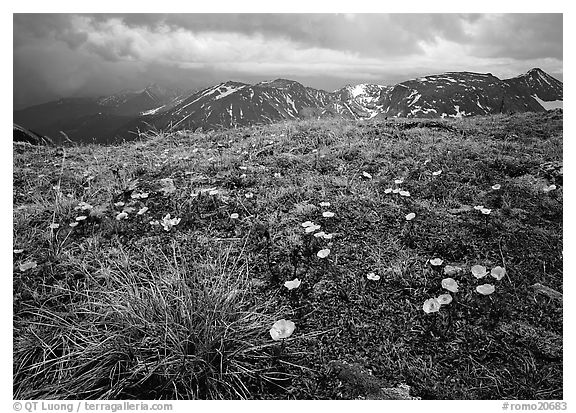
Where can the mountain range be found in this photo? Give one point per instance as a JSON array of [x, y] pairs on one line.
[[233, 104]]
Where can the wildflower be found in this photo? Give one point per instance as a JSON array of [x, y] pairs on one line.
[[54, 226], [395, 191], [28, 265], [498, 272], [436, 262], [550, 188], [450, 284], [73, 224], [168, 222], [320, 234], [431, 305], [295, 283], [366, 175], [81, 218], [307, 224], [486, 211], [119, 204], [312, 228], [436, 173], [373, 277], [194, 194], [325, 204], [387, 190], [327, 236], [249, 195], [213, 192], [485, 289], [18, 251], [444, 299], [496, 187], [282, 329], [323, 253], [398, 181], [410, 216], [479, 207], [277, 175], [154, 222], [121, 215], [404, 193], [243, 168], [328, 214], [83, 206], [479, 271], [142, 211], [234, 215]]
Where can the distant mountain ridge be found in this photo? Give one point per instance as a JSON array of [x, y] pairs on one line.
[[233, 104]]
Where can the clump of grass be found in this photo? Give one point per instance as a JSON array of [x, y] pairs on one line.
[[175, 331]]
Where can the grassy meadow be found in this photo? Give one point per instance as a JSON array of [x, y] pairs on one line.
[[130, 303]]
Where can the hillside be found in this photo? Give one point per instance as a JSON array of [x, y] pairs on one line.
[[156, 269]]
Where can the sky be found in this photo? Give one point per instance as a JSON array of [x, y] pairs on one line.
[[64, 55]]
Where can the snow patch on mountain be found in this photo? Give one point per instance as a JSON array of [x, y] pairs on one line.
[[555, 104]]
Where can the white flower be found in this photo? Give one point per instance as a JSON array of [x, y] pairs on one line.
[[496, 187], [399, 181], [249, 195], [431, 305], [325, 204], [54, 226], [436, 262], [323, 253], [142, 211], [282, 329], [307, 224], [479, 207], [372, 276], [486, 211], [444, 299], [234, 215], [395, 191], [387, 190], [81, 218], [28, 265], [436, 173], [404, 193], [450, 284], [73, 224], [550, 188], [498, 272], [312, 228], [328, 214], [295, 283], [485, 289], [213, 192], [18, 251], [410, 216], [168, 222], [320, 234], [119, 204], [121, 215], [479, 271], [366, 175]]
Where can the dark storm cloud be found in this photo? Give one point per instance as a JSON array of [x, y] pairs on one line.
[[68, 54]]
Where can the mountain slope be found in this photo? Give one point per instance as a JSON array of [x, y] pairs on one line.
[[234, 104], [456, 94]]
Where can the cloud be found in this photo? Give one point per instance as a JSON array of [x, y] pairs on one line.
[[69, 54]]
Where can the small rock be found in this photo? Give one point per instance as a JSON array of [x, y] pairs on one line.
[[547, 291], [360, 383], [539, 340]]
